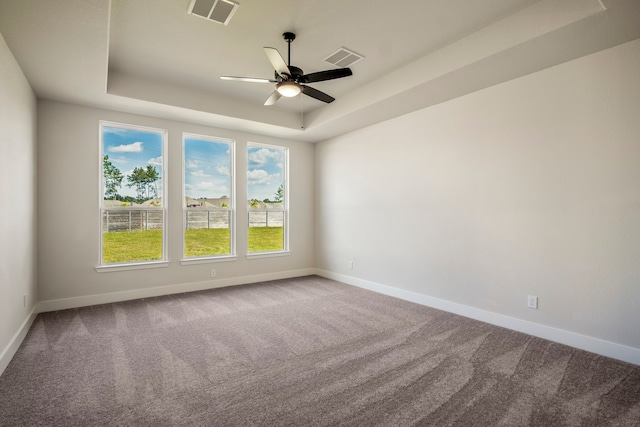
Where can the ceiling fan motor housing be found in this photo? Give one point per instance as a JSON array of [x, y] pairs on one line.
[[295, 72]]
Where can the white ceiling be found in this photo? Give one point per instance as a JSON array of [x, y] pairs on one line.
[[153, 58]]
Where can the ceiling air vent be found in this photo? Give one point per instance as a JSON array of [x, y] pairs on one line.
[[343, 57], [219, 11]]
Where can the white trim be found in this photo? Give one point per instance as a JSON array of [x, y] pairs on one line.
[[583, 342], [208, 260], [83, 301], [164, 133], [285, 188], [108, 268], [232, 196], [11, 348], [256, 255]]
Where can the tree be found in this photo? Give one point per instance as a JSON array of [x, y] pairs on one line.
[[151, 181], [145, 181], [280, 193], [137, 179], [112, 178], [254, 203]]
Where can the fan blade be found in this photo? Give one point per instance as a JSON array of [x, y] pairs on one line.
[[315, 93], [248, 79], [273, 98], [276, 61], [321, 76]]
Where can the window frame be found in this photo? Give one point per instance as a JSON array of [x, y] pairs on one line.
[[285, 251], [142, 264], [232, 208]]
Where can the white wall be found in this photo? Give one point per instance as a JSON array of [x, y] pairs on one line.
[[531, 187], [69, 226], [18, 205]]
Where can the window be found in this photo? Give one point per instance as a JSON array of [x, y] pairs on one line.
[[268, 198], [132, 197], [208, 197]]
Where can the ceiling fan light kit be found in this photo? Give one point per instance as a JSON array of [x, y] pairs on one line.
[[290, 80], [288, 88]]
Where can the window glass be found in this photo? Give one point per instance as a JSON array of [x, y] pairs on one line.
[[132, 204], [267, 198], [208, 196]]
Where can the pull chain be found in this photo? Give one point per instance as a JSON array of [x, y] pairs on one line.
[[301, 112]]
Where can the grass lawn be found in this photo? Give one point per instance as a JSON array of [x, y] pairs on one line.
[[262, 239], [130, 246], [206, 241], [146, 245]]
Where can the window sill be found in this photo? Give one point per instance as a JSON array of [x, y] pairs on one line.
[[136, 266], [207, 260], [267, 254]]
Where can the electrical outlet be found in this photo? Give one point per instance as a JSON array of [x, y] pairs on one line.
[[532, 302], [213, 273], [350, 265]]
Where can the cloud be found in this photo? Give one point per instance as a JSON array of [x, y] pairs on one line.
[[206, 186], [222, 170], [156, 161], [199, 174], [191, 164], [136, 147], [259, 176], [114, 131], [263, 156]]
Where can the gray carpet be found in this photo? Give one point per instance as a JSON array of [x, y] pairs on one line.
[[302, 352]]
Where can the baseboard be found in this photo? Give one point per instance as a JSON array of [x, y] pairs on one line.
[[583, 342], [11, 349], [88, 300]]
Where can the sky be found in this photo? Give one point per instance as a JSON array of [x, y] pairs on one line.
[[265, 172], [207, 163], [128, 149], [207, 168]]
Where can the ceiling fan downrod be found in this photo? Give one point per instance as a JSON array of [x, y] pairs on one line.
[[289, 37]]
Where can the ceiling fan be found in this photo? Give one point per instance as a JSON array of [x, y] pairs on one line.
[[290, 80]]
